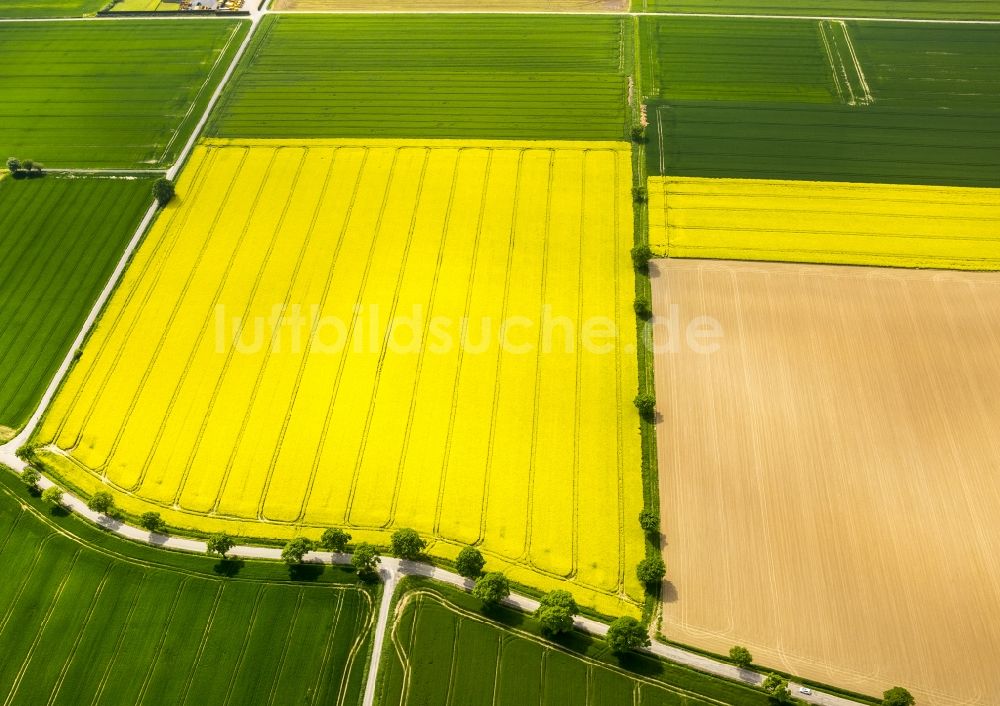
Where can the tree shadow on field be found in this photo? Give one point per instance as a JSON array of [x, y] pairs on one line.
[[668, 592], [305, 572], [59, 511], [638, 663], [228, 567]]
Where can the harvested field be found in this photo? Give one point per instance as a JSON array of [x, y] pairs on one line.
[[441, 649], [380, 334], [944, 227], [915, 9], [828, 475], [123, 93], [452, 5], [443, 76], [896, 103], [91, 619], [61, 239]]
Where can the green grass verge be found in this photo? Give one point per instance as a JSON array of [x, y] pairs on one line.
[[739, 98], [443, 76], [61, 239], [451, 648], [89, 618], [109, 94]]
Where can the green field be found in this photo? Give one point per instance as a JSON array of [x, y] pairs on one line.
[[751, 98], [122, 93], [915, 9], [455, 76], [49, 8], [61, 239], [440, 649], [86, 618]]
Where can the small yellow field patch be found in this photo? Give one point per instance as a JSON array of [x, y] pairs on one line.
[[825, 222], [379, 334]]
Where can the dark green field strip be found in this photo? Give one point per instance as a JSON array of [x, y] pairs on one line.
[[441, 650], [934, 66], [49, 8], [61, 239], [913, 9], [695, 58], [445, 76], [933, 117], [108, 94], [85, 619], [828, 143]]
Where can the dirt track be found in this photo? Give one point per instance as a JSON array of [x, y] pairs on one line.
[[830, 478], [452, 5]]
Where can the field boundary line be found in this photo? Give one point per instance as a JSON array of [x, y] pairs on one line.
[[734, 16]]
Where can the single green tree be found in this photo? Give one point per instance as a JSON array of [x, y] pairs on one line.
[[897, 696], [365, 561], [334, 539], [645, 402], [491, 589], [101, 502], [295, 550], [53, 495], [554, 620], [407, 544], [651, 570], [13, 165], [30, 477], [777, 688], [163, 191], [641, 257], [152, 522], [625, 634], [555, 612], [470, 563], [638, 134], [741, 656], [649, 520], [640, 194], [27, 165], [643, 308], [220, 544]]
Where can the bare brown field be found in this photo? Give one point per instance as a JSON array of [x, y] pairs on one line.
[[830, 477], [451, 5]]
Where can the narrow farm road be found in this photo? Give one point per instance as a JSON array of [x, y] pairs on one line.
[[392, 569], [8, 451]]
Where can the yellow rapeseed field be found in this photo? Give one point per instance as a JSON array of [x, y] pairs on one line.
[[374, 335], [823, 222]]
